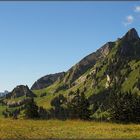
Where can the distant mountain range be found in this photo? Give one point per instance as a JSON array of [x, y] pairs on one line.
[[3, 93]]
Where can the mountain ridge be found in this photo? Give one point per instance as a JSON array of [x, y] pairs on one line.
[[89, 61], [47, 80]]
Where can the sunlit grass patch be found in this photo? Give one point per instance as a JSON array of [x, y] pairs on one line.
[[76, 129]]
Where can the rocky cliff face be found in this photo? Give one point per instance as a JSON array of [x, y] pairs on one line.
[[47, 80], [86, 63]]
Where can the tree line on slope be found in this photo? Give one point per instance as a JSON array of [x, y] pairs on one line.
[[123, 107]]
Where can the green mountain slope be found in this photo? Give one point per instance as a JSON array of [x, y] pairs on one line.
[[116, 63], [113, 67]]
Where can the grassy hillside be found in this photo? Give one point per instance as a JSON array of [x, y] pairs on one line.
[[26, 129]]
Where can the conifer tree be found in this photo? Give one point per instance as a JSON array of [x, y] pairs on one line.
[[79, 106], [31, 110]]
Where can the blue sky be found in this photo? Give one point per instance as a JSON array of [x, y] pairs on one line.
[[39, 38]]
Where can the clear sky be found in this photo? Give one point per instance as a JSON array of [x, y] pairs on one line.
[[39, 38]]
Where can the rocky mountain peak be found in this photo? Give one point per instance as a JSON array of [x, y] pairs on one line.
[[131, 35], [20, 91]]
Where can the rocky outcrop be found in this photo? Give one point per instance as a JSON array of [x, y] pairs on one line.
[[20, 91], [47, 80], [108, 82], [131, 35], [105, 49], [17, 103], [129, 46]]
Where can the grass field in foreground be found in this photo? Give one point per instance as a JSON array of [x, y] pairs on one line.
[[70, 129]]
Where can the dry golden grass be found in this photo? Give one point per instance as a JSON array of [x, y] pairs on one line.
[[70, 129]]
